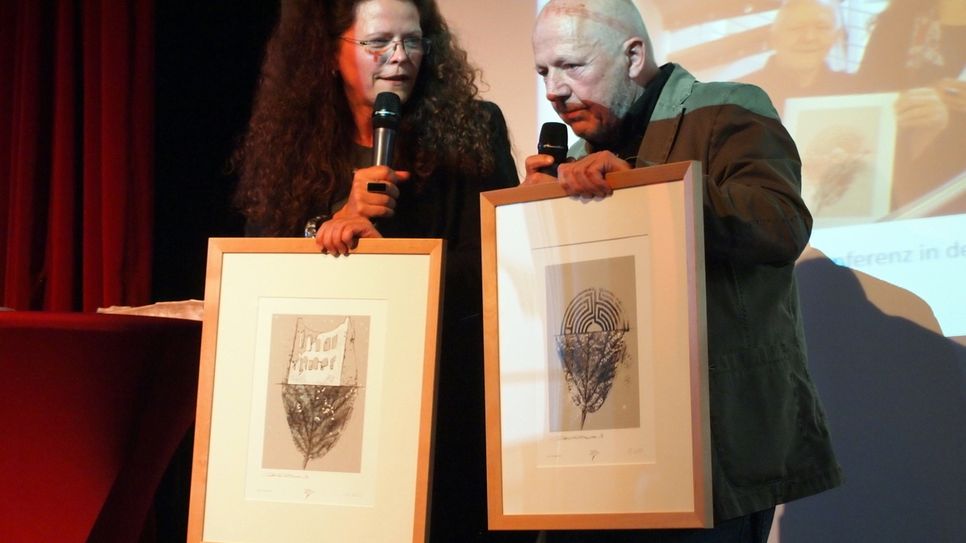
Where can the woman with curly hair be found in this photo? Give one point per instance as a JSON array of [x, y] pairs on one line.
[[305, 162], [311, 123]]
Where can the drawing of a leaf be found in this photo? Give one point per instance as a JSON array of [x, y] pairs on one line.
[[832, 163], [590, 365], [317, 415]]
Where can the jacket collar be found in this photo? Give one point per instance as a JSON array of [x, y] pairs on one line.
[[663, 128]]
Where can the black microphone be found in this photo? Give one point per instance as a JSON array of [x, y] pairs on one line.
[[385, 120], [553, 142]]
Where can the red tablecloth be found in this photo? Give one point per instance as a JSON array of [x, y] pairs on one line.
[[92, 408]]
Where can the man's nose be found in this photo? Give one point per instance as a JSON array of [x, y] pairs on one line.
[[811, 34], [557, 89]]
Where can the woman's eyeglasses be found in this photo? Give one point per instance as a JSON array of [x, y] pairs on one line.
[[386, 48]]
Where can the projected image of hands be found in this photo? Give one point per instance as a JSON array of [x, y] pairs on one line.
[[835, 52]]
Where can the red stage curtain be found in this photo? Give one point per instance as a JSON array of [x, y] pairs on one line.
[[76, 153]]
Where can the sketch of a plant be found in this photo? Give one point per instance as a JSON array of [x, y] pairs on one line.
[[318, 397], [831, 164], [591, 347]]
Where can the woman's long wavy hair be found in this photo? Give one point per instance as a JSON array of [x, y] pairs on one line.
[[300, 135]]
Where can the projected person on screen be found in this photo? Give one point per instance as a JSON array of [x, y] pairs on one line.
[[306, 164], [769, 439], [801, 37]]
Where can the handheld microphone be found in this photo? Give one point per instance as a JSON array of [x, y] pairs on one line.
[[553, 142], [385, 121]]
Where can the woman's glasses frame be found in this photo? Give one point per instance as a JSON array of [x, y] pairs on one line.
[[386, 48]]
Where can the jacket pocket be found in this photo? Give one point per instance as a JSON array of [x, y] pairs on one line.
[[766, 421]]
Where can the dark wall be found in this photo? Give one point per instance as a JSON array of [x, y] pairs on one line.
[[208, 57]]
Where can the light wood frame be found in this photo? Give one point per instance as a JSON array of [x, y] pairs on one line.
[[652, 475], [252, 286]]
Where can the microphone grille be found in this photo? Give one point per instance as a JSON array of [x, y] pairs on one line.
[[385, 112], [553, 141]]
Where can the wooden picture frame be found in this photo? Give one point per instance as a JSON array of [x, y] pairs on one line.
[[316, 391], [596, 355]]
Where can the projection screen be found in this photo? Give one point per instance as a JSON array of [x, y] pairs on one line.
[[876, 104]]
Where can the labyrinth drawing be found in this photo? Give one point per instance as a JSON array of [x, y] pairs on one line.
[[592, 347]]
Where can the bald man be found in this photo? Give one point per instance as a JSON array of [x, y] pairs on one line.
[[770, 444]]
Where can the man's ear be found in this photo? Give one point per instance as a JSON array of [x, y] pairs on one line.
[[635, 53]]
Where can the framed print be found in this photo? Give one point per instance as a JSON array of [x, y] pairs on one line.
[[847, 144], [595, 355], [316, 389]]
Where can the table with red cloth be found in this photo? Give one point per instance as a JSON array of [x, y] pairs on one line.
[[93, 408]]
